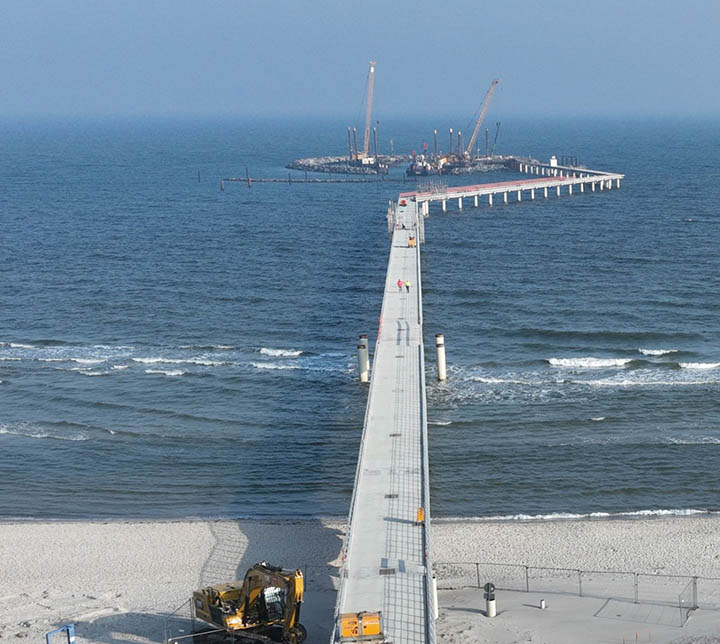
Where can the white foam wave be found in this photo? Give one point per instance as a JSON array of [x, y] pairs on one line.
[[120, 367], [175, 373], [270, 365], [657, 352], [7, 359], [701, 440], [560, 516], [53, 359], [506, 381], [88, 372], [442, 423], [280, 353], [597, 419], [88, 360], [18, 345], [647, 382], [35, 432], [199, 361], [700, 365], [589, 363]]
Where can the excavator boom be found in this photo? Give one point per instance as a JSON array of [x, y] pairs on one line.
[[481, 118]]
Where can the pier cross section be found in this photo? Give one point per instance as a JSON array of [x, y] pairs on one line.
[[386, 555]]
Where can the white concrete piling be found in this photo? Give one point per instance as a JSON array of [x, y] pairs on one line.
[[444, 205], [459, 203], [490, 199], [558, 191], [505, 197], [545, 189], [532, 194], [519, 195], [363, 359], [593, 186], [440, 351], [476, 201], [582, 187], [570, 189]]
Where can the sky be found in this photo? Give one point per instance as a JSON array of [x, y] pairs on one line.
[[310, 57]]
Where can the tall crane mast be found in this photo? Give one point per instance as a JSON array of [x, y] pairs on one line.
[[368, 110], [481, 118]]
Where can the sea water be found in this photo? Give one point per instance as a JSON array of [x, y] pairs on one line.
[[169, 350]]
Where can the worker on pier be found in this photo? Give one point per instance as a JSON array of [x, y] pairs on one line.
[[407, 285], [411, 242], [400, 285]]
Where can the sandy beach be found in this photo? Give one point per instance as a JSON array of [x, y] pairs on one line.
[[117, 581]]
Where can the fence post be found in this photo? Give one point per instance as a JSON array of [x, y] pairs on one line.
[[527, 580], [694, 593], [477, 572], [635, 575], [579, 572]]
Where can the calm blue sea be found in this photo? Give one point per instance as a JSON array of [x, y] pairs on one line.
[[168, 350]]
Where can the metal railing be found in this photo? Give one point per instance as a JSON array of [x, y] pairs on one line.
[[688, 592]]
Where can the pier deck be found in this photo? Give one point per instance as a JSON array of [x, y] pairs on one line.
[[386, 556]]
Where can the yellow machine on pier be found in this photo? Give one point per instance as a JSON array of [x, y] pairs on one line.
[[264, 607]]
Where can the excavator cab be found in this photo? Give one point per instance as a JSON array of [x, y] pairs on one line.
[[264, 607]]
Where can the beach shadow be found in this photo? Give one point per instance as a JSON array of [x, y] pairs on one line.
[[311, 545], [123, 628]]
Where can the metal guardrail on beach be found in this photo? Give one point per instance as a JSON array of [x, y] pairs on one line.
[[682, 591]]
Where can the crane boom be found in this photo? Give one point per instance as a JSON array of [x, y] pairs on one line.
[[481, 118], [368, 110]]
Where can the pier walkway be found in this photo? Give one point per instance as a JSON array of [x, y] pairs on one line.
[[386, 554], [566, 180]]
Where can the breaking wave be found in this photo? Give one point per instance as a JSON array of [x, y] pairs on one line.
[[589, 363], [657, 352], [700, 365], [280, 353], [166, 372], [271, 365], [563, 516]]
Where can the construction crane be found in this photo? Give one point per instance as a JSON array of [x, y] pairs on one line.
[[481, 118], [497, 131], [368, 109]]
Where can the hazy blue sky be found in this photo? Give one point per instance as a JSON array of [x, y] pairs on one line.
[[71, 57]]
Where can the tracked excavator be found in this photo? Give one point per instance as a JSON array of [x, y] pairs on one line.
[[263, 607]]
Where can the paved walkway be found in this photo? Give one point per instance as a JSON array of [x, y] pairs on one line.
[[386, 550]]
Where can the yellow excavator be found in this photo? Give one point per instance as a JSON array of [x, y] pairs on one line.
[[264, 607]]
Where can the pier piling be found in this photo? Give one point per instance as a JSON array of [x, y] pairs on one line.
[[440, 351]]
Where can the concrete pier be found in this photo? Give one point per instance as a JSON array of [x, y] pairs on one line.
[[386, 554], [533, 183]]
